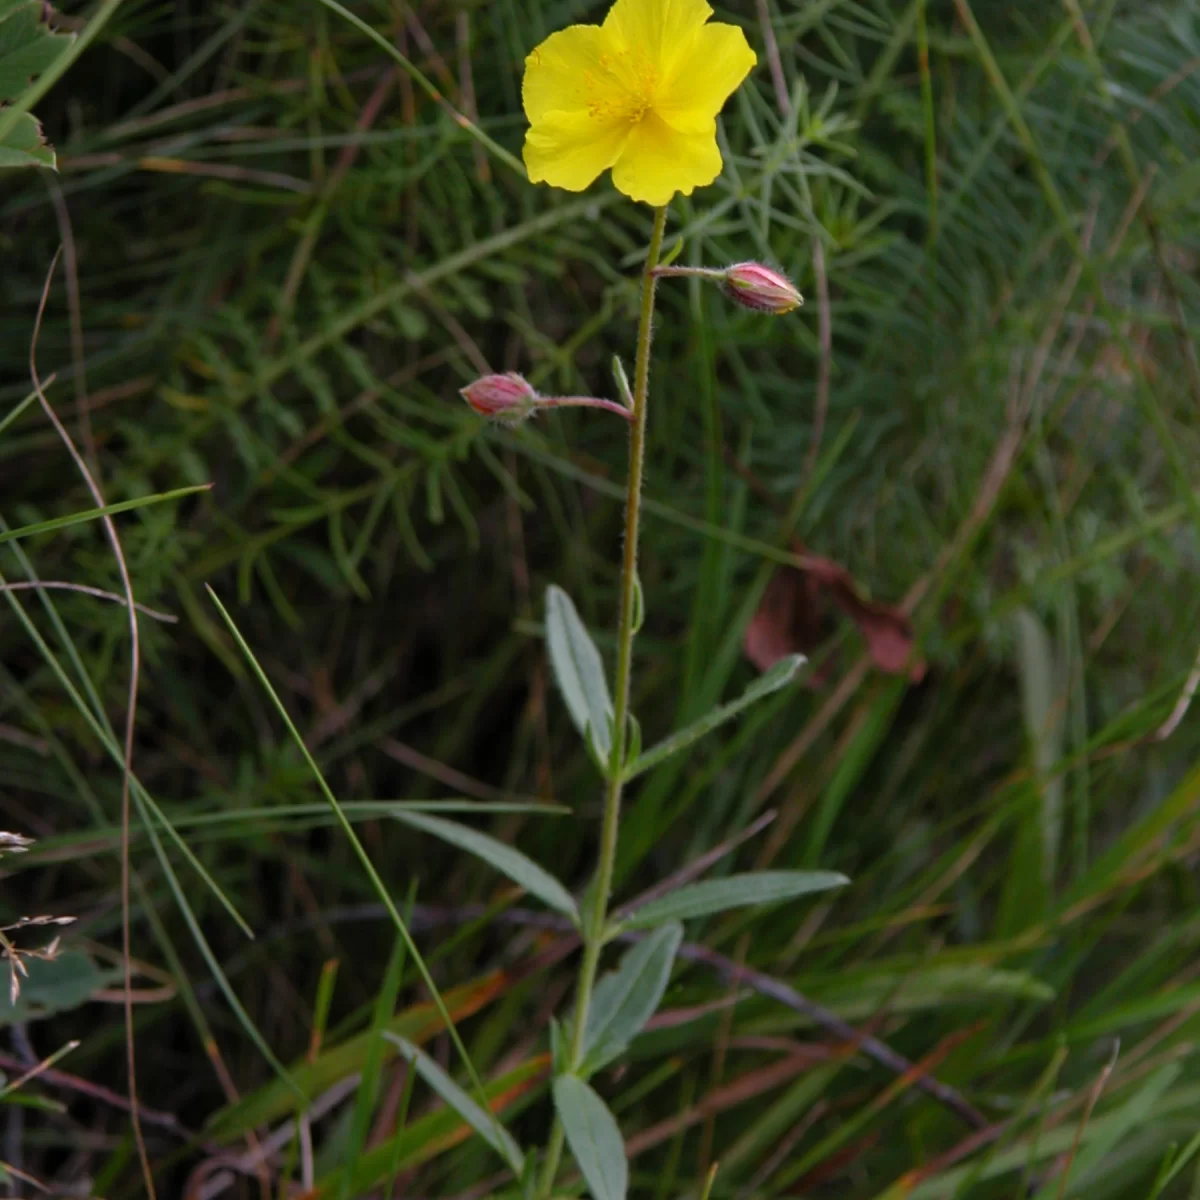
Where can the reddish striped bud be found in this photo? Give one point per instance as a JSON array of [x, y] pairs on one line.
[[503, 397], [752, 285]]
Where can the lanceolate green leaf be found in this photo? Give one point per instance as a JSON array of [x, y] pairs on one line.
[[627, 998], [519, 868], [594, 1138], [579, 670], [484, 1124], [737, 891], [779, 676]]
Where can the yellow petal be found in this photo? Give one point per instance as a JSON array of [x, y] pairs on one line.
[[659, 161], [577, 69], [705, 75], [570, 149], [656, 29]]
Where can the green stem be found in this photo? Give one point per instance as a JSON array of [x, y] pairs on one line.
[[594, 921]]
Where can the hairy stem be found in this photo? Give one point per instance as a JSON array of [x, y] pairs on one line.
[[584, 402], [595, 919]]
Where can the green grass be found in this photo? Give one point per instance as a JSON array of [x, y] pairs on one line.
[[1020, 848]]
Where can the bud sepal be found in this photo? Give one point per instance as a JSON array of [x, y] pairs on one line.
[[509, 398], [755, 286]]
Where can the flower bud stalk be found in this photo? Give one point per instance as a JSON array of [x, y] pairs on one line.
[[750, 284], [583, 402], [512, 398]]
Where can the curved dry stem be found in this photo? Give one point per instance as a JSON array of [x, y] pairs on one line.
[[75, 307], [110, 530], [63, 585]]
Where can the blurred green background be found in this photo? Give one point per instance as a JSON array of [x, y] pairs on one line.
[[282, 261]]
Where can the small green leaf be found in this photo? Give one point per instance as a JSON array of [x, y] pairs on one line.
[[625, 999], [639, 603], [518, 867], [736, 891], [633, 746], [25, 147], [622, 381], [484, 1123], [594, 1138], [55, 985], [779, 676], [672, 254], [579, 671], [27, 49]]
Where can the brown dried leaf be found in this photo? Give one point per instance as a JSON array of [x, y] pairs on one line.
[[792, 620]]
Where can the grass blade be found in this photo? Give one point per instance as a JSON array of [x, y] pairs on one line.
[[359, 850], [94, 514]]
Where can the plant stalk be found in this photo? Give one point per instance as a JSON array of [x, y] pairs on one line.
[[584, 402], [595, 920]]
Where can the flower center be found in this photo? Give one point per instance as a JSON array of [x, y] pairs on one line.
[[628, 89]]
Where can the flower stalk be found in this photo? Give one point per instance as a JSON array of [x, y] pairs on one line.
[[512, 399], [584, 402], [750, 284], [595, 920]]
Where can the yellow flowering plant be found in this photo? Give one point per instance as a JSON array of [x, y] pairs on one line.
[[639, 95]]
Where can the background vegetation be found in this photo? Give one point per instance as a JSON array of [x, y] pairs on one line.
[[281, 261]]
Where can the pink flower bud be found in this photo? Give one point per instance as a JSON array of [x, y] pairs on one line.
[[505, 397], [754, 286]]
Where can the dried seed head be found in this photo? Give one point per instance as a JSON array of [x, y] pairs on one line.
[[752, 285]]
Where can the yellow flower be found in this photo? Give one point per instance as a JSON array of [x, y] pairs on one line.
[[639, 94]]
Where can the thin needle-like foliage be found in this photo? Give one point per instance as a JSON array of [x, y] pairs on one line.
[[296, 232]]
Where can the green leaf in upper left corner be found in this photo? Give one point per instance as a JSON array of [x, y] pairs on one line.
[[27, 48]]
